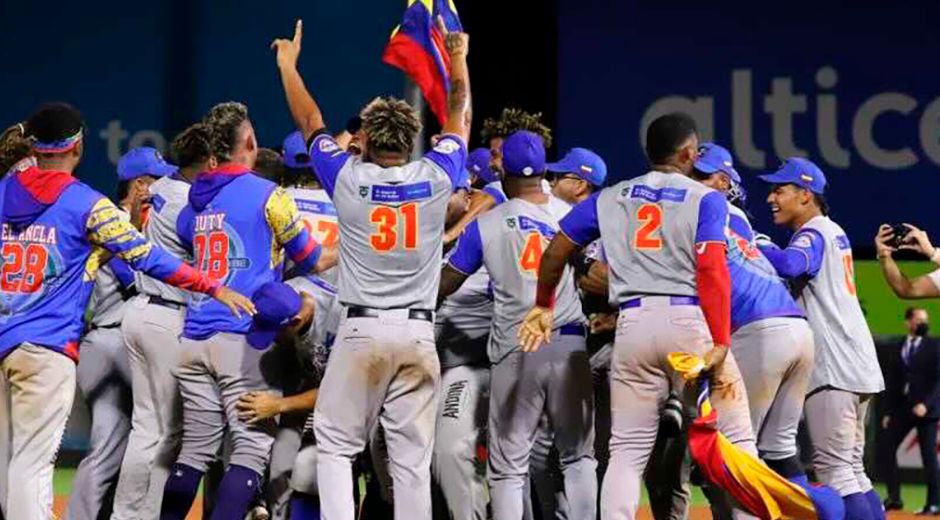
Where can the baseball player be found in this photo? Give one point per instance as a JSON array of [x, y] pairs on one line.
[[238, 226], [508, 240], [478, 164], [771, 339], [152, 324], [384, 364], [56, 233], [104, 375], [818, 261], [664, 239], [577, 175]]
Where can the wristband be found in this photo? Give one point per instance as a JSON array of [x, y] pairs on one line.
[[545, 296]]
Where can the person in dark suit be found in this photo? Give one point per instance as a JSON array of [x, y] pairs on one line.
[[913, 401]]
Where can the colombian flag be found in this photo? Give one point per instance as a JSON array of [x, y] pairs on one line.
[[417, 48], [755, 487]]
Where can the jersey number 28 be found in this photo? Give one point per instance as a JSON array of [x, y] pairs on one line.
[[212, 254], [24, 267], [387, 235]]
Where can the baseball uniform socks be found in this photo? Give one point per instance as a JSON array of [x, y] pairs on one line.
[[304, 507], [874, 503], [789, 468], [180, 491], [856, 507], [238, 489]]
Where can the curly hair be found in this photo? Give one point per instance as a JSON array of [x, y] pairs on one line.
[[513, 119], [390, 125], [269, 165], [191, 146], [223, 121], [14, 146]]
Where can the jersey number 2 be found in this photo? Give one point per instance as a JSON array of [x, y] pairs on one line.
[[385, 238], [212, 254], [24, 267], [647, 237]]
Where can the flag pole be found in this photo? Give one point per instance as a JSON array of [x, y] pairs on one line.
[[414, 98]]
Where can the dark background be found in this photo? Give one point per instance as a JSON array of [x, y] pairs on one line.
[[593, 68]]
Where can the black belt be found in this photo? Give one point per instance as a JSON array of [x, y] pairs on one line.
[[163, 302], [112, 326], [355, 311]]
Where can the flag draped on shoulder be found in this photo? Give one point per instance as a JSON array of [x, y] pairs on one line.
[[417, 48]]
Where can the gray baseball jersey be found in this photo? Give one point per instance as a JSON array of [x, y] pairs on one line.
[[509, 241], [391, 221], [169, 195], [319, 216], [463, 322], [650, 228], [316, 343], [845, 352], [107, 300]]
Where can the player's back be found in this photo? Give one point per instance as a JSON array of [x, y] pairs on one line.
[[649, 228], [391, 223], [513, 236], [319, 214], [168, 198]]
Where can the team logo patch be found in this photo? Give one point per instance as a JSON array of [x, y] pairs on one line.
[[803, 241], [363, 191], [328, 145], [447, 146], [511, 222]]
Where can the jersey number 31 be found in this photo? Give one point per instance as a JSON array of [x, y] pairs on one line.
[[386, 236]]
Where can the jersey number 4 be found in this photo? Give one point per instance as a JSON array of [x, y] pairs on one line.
[[531, 258], [386, 219], [212, 254], [24, 267], [646, 237]]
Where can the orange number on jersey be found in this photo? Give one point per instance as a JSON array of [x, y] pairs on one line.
[[646, 239], [849, 274], [24, 268], [531, 257], [385, 237], [212, 254]]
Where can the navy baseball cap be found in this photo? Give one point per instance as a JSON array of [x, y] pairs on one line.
[[478, 162], [713, 159], [296, 154], [143, 161], [277, 303], [801, 172], [583, 163], [523, 154]]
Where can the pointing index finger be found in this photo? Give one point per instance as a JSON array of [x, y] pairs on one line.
[[298, 31]]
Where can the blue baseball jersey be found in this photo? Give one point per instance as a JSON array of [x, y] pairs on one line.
[[757, 292], [238, 226]]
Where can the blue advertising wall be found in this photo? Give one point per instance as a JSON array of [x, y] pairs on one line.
[[854, 86], [141, 71]]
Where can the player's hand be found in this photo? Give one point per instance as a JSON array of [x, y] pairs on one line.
[[917, 240], [536, 328], [885, 421], [289, 50], [235, 301], [457, 43], [596, 279], [715, 357], [329, 257], [882, 249], [919, 410], [254, 407], [603, 322]]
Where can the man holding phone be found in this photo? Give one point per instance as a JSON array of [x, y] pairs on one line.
[[890, 239]]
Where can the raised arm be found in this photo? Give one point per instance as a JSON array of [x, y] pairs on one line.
[[903, 287], [459, 110], [303, 108]]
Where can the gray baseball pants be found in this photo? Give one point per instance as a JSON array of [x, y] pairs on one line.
[[775, 356], [151, 334], [461, 427], [104, 379], [215, 372], [555, 380], [641, 379], [381, 369], [836, 423], [37, 387]]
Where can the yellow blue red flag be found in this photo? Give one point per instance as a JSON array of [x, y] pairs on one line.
[[417, 48]]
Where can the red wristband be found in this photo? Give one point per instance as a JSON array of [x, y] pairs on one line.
[[545, 296]]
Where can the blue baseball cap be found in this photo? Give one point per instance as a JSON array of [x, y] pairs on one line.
[[713, 159], [801, 172], [277, 303], [583, 163], [523, 154], [296, 154], [142, 161], [478, 162]]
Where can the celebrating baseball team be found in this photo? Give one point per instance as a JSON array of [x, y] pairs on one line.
[[304, 318]]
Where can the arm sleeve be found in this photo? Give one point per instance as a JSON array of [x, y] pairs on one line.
[[450, 153], [580, 224], [290, 232], [122, 271], [109, 228], [184, 227], [803, 256], [714, 290], [497, 195], [328, 159], [468, 257]]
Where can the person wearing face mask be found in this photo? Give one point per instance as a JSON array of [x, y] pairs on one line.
[[913, 401]]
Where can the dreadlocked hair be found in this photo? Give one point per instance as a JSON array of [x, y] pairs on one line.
[[223, 121], [512, 120], [14, 147], [390, 125], [191, 146]]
